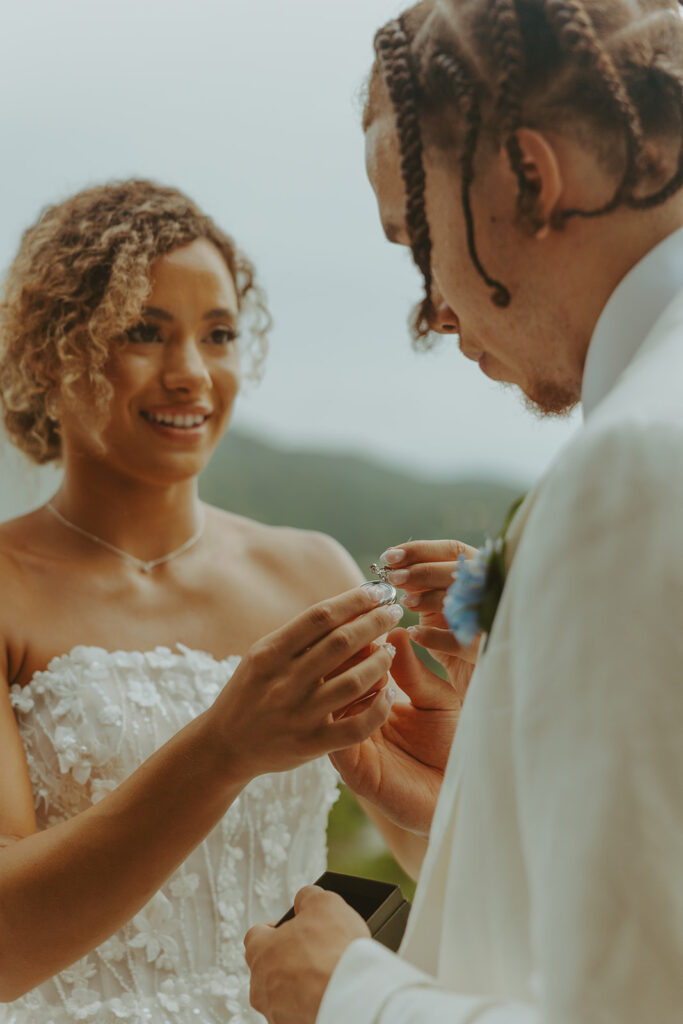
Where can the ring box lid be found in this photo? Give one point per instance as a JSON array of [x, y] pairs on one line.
[[380, 904]]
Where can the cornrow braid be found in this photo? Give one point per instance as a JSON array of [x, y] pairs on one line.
[[577, 36], [392, 46], [508, 59], [671, 80], [462, 90]]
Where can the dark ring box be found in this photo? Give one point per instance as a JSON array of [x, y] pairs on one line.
[[380, 904]]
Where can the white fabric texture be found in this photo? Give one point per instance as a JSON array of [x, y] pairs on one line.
[[88, 722], [552, 891], [629, 315]]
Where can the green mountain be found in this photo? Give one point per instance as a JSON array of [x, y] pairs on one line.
[[365, 505]]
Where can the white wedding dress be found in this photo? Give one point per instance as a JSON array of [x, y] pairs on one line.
[[87, 722]]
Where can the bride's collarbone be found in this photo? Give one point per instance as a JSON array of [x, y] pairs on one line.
[[221, 613]]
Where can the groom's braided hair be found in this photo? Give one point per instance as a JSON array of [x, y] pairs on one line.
[[575, 63]]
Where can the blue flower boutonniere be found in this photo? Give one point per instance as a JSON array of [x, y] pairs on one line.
[[472, 599]]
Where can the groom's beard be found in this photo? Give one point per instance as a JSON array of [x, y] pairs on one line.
[[551, 400], [548, 399]]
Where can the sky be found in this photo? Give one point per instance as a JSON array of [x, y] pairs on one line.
[[252, 108]]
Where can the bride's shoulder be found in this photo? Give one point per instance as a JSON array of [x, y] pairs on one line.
[[15, 589], [15, 541], [308, 558]]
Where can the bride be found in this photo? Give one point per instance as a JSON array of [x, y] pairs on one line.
[[163, 723]]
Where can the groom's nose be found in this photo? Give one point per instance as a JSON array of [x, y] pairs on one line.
[[444, 320]]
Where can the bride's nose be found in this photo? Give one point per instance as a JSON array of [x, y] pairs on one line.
[[184, 368]]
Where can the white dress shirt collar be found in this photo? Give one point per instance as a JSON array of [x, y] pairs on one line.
[[630, 314]]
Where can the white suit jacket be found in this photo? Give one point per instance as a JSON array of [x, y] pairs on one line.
[[552, 890]]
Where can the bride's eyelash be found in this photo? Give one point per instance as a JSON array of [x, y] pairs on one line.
[[226, 335], [143, 332]]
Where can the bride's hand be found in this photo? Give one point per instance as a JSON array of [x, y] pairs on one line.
[[282, 706], [400, 768], [425, 572]]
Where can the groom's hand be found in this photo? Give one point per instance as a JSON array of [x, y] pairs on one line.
[[400, 767], [292, 965], [424, 570]]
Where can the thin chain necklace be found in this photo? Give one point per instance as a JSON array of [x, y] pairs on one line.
[[139, 563]]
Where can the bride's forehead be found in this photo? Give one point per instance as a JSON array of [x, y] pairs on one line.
[[198, 267]]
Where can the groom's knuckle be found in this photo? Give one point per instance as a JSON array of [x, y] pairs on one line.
[[262, 654]]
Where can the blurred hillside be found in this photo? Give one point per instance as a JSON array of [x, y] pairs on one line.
[[367, 507]]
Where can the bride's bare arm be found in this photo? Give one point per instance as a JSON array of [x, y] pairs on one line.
[[66, 889]]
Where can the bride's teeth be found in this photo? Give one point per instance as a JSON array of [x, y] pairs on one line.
[[180, 422]]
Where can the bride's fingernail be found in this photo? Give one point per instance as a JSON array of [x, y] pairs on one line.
[[413, 632], [391, 650], [393, 556], [395, 612], [391, 694], [375, 591], [411, 600]]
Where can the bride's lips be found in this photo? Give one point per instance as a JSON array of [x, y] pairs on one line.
[[178, 422]]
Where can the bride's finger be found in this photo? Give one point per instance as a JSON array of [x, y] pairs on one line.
[[338, 694], [348, 732], [364, 653], [343, 643], [321, 620], [443, 641]]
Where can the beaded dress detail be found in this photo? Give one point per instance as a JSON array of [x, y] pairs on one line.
[[87, 722]]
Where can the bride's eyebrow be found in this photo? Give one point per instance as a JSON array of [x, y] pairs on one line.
[[226, 314], [159, 314]]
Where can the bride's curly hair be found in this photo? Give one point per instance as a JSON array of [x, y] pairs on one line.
[[79, 282]]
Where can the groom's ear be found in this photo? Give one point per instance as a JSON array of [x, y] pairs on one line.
[[543, 181]]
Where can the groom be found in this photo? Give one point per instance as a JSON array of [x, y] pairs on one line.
[[530, 154]]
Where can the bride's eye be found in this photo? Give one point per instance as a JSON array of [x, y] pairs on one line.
[[143, 333], [223, 336]]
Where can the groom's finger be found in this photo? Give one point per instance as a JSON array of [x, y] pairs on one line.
[[305, 896], [443, 641], [425, 600], [414, 551], [424, 688], [424, 576], [256, 940]]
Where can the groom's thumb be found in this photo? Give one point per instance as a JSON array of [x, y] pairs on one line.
[[413, 677]]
